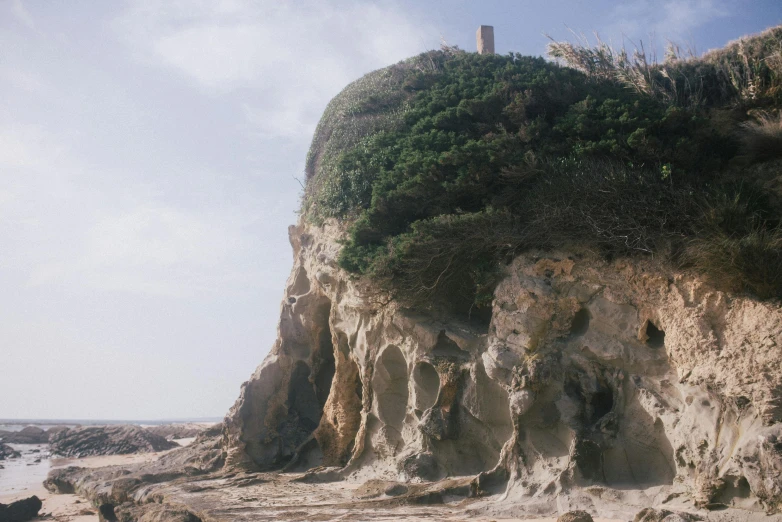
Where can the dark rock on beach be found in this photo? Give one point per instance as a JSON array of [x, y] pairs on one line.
[[107, 440], [28, 435], [21, 510], [7, 452]]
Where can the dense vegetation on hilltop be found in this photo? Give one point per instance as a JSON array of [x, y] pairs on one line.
[[450, 163]]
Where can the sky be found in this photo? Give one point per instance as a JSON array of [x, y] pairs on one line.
[[151, 155]]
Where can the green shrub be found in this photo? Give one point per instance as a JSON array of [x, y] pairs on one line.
[[450, 260], [446, 165]]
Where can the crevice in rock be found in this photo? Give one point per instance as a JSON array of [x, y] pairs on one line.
[[441, 421], [106, 513], [336, 434], [360, 390], [445, 347], [304, 412], [592, 393], [323, 364], [580, 324], [480, 318], [308, 390], [602, 402], [655, 337], [343, 344]]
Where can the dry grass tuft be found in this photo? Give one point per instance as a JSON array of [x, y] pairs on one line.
[[749, 263], [745, 73], [762, 138]]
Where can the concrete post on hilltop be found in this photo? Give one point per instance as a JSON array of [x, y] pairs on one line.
[[485, 38]]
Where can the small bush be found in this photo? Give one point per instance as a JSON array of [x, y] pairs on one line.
[[451, 261]]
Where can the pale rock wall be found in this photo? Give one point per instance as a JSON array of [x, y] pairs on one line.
[[595, 384]]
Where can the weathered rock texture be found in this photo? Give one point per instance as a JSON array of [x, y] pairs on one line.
[[607, 387], [575, 516], [592, 380], [107, 440]]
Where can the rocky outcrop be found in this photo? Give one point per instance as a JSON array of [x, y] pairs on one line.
[[133, 493], [595, 386], [27, 435], [177, 431], [30, 435], [7, 452], [107, 440], [21, 510]]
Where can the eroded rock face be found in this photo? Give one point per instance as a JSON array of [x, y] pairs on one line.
[[350, 385], [590, 375]]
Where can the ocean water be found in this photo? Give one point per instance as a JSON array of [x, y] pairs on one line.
[[21, 426], [24, 474]]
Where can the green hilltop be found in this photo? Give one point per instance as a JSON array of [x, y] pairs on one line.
[[446, 165]]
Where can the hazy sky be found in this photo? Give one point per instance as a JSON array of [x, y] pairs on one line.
[[149, 156]]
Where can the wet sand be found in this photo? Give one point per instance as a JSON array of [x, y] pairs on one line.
[[23, 477]]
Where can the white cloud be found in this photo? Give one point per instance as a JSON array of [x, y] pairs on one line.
[[291, 120], [22, 14], [23, 80], [27, 146], [285, 59], [153, 250], [60, 228], [670, 19]]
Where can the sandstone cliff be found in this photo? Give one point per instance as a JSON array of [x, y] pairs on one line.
[[595, 385]]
